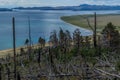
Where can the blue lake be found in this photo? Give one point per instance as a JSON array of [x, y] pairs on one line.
[[42, 24]]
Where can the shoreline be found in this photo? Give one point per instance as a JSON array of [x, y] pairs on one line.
[[102, 20], [4, 53]]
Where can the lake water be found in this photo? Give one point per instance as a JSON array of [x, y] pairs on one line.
[[42, 23]]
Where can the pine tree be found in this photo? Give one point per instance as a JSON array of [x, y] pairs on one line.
[[26, 42], [68, 40], [54, 38], [77, 38], [41, 42], [111, 37]]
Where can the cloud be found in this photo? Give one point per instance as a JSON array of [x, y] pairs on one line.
[[26, 3]]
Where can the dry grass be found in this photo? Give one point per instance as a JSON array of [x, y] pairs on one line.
[[102, 20]]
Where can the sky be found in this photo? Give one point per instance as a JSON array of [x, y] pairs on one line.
[[36, 3]]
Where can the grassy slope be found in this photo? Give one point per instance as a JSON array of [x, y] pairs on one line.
[[102, 20]]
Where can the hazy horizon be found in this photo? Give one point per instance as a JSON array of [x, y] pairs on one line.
[[53, 3]]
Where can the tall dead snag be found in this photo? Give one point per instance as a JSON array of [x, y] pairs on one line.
[[8, 72], [95, 24], [18, 76], [0, 71], [29, 48], [14, 46], [94, 29], [29, 31], [39, 56]]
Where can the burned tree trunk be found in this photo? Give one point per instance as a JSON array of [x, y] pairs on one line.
[[0, 71], [94, 34], [14, 46], [39, 56]]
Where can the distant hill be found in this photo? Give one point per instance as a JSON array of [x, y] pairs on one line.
[[45, 8], [75, 8], [98, 7], [5, 9]]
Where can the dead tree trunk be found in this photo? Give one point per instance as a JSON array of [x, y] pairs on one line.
[[0, 71], [94, 30], [18, 76], [14, 47], [94, 34]]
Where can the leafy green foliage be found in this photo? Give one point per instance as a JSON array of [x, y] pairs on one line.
[[74, 51], [88, 52]]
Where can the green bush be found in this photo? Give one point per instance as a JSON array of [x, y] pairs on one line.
[[88, 52]]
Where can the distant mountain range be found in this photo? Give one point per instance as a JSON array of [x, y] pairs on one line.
[[5, 9], [74, 8]]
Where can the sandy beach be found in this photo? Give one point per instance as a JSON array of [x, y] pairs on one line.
[[3, 53]]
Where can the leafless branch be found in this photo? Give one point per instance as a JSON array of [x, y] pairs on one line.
[[107, 73], [89, 24]]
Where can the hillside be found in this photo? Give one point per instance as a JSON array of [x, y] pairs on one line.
[[74, 8]]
